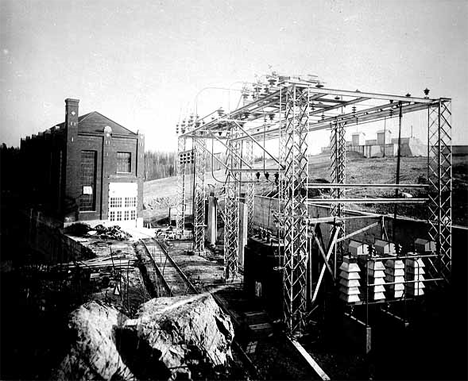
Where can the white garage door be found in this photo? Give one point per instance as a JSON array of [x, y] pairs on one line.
[[123, 202]]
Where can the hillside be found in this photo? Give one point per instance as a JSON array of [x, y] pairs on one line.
[[160, 194]]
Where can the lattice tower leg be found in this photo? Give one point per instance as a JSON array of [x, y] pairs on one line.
[[199, 202], [231, 212], [338, 171], [295, 210], [249, 187], [440, 183], [181, 184]]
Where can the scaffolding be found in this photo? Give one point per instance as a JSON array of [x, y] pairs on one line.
[[289, 109]]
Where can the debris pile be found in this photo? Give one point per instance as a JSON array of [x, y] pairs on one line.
[[182, 337], [112, 232], [84, 230]]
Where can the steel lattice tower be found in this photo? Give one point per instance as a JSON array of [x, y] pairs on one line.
[[231, 214], [338, 164], [338, 170], [295, 208], [440, 182], [181, 172], [199, 196], [249, 187]]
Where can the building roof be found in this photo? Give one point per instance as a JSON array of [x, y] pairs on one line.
[[95, 122]]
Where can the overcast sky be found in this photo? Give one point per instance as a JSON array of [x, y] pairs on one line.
[[142, 62]]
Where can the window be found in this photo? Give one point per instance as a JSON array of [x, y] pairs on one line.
[[112, 216], [116, 202], [126, 215], [119, 215], [133, 214], [88, 180], [124, 162], [130, 202]]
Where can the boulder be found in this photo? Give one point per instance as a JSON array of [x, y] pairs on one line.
[[94, 354], [179, 337], [192, 333]]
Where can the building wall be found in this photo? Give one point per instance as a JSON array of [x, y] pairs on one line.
[[51, 164], [107, 148], [42, 168]]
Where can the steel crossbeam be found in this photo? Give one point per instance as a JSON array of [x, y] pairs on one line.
[[440, 183], [199, 196], [231, 211], [181, 173], [294, 196]]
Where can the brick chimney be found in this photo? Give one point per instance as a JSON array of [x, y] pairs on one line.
[[71, 113], [72, 160]]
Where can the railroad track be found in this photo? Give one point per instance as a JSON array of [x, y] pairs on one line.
[[171, 280]]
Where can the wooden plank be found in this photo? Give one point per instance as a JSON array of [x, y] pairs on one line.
[[316, 367]]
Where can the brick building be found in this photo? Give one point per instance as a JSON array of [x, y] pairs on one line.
[[86, 169]]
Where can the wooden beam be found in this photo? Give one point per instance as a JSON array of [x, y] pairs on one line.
[[322, 271], [324, 256], [316, 367]]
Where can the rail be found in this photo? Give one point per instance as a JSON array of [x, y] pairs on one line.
[[174, 264], [178, 278]]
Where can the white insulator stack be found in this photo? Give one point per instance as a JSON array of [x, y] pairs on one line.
[[349, 280], [414, 275], [395, 275], [376, 275]]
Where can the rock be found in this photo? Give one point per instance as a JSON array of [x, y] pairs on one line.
[[190, 332], [94, 354], [188, 337]]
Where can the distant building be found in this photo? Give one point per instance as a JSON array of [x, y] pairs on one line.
[[384, 145], [85, 169]]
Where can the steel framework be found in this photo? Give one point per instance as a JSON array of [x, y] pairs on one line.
[[295, 108], [249, 186], [199, 195], [181, 173], [338, 165], [231, 213], [440, 182], [295, 178]]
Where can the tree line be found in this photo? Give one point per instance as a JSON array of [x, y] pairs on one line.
[[160, 164]]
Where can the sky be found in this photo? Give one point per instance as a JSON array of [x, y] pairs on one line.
[[147, 63]]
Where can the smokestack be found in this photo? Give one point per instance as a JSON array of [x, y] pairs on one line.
[[71, 113]]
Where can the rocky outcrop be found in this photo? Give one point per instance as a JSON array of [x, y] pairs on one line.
[[188, 337], [94, 354], [192, 333]]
